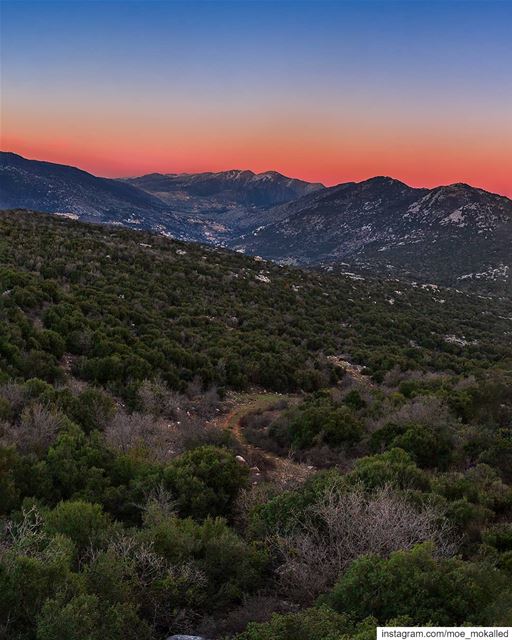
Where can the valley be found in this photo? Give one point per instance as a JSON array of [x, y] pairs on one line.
[[198, 441], [454, 235], [255, 319]]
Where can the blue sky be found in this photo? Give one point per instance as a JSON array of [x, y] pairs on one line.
[[255, 83]]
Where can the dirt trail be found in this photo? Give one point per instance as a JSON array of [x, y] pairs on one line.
[[276, 467], [355, 371], [244, 405]]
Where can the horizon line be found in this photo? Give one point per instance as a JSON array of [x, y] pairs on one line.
[[191, 173]]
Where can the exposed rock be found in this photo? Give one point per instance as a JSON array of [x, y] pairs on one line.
[[449, 234]]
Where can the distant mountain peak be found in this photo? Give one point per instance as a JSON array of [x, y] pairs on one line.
[[271, 173], [456, 188], [233, 197], [381, 180], [447, 233], [382, 223]]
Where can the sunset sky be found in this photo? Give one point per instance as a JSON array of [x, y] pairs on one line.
[[330, 91]]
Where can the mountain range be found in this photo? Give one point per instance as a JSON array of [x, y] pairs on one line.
[[456, 235], [76, 194], [236, 199]]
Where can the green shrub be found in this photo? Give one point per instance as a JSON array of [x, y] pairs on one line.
[[205, 482], [318, 421], [428, 447], [9, 492], [394, 467], [85, 617], [311, 624], [431, 590], [36, 567], [233, 567], [84, 523], [499, 537]]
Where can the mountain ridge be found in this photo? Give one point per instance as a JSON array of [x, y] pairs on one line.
[[237, 198], [207, 207], [452, 234]]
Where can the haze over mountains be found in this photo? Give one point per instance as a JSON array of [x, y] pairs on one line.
[[453, 234]]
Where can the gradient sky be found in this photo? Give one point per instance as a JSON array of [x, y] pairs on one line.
[[323, 90]]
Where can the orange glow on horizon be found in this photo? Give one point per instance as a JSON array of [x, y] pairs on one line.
[[323, 91], [487, 170]]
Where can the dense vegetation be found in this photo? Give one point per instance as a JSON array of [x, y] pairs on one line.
[[125, 512], [123, 311]]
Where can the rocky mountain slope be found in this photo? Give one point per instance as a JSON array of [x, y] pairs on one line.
[[236, 199], [204, 207], [76, 194], [453, 234]]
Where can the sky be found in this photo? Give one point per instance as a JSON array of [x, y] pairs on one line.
[[328, 91]]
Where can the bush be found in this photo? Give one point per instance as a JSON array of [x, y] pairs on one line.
[[85, 617], [84, 523], [312, 624], [34, 566], [9, 493], [92, 410], [205, 482], [233, 567], [344, 525], [318, 421], [432, 590], [429, 447], [78, 466], [395, 468], [284, 512], [499, 537]]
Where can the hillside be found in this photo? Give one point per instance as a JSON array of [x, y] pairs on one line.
[[194, 441], [121, 300], [453, 235], [236, 199], [76, 194], [205, 207]]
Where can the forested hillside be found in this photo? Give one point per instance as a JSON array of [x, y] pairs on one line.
[[454, 235], [193, 441], [123, 306]]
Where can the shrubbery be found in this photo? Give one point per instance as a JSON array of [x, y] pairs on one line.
[[124, 511], [435, 591]]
